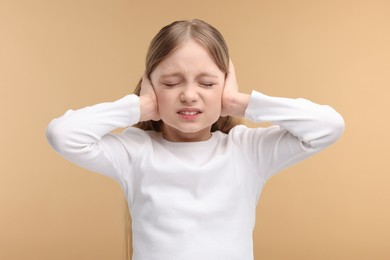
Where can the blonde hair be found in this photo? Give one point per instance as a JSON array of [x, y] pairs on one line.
[[167, 40]]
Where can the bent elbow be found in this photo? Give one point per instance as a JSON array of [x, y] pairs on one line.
[[55, 135], [337, 127], [69, 139], [330, 129]]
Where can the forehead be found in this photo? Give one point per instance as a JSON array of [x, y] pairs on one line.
[[188, 58]]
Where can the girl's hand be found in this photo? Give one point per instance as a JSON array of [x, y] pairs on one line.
[[148, 101], [234, 103]]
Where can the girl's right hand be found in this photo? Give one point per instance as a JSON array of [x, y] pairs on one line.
[[148, 101]]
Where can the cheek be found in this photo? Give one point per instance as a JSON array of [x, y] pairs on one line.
[[164, 102], [215, 101], [161, 95], [217, 96]]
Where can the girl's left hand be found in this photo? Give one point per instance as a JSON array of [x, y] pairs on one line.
[[234, 103]]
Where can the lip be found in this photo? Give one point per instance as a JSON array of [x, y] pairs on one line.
[[189, 113]]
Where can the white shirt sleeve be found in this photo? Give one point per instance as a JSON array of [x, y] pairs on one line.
[[300, 128], [83, 136]]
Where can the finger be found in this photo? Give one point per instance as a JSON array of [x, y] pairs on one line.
[[231, 80], [146, 80], [231, 66], [146, 85]]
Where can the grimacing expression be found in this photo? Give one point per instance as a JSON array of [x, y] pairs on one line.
[[188, 86]]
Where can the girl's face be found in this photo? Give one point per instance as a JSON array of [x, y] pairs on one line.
[[188, 86]]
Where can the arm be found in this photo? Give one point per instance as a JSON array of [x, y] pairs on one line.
[[300, 127], [83, 136], [314, 125]]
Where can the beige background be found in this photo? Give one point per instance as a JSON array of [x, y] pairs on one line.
[[57, 55]]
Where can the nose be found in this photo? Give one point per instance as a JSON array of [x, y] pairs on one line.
[[189, 94]]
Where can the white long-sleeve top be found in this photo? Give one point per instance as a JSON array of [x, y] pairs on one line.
[[194, 200]]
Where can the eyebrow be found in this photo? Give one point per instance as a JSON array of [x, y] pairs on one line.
[[178, 74], [205, 74], [169, 75]]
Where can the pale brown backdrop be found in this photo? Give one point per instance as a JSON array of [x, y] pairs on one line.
[[57, 55]]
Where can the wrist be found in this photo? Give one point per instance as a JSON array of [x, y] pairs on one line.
[[236, 104], [147, 108]]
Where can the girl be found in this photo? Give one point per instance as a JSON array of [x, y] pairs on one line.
[[192, 176]]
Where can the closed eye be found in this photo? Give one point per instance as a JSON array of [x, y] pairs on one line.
[[170, 84], [208, 85]]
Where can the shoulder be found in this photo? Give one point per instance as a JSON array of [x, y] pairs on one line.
[[135, 132], [242, 132], [135, 138]]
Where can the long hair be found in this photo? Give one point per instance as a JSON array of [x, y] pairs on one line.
[[167, 40]]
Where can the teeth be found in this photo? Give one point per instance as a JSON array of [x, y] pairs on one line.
[[188, 113]]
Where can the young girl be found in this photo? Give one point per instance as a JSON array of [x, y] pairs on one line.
[[191, 175]]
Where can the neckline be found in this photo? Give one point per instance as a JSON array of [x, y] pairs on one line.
[[209, 141]]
